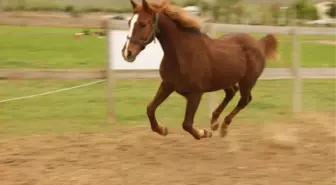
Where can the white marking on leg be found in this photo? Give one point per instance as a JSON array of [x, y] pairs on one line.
[[201, 132], [134, 19]]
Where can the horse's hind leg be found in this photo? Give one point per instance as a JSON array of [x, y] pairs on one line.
[[193, 101], [229, 94], [245, 99]]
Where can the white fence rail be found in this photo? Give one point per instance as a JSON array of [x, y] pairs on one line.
[[212, 29], [234, 28]]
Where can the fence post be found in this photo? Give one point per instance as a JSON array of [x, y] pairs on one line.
[[296, 64], [110, 74], [210, 30]]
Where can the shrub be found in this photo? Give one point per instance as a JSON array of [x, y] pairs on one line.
[[69, 9], [92, 9]]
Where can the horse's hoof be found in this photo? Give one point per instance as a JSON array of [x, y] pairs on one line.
[[205, 133], [163, 131], [208, 134], [214, 126], [223, 130]]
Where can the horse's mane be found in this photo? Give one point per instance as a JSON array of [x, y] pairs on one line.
[[177, 14]]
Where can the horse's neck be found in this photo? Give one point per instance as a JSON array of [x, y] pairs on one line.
[[168, 35], [176, 43]]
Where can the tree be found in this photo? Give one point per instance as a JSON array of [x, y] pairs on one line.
[[191, 3], [222, 6], [332, 10], [311, 13], [205, 6], [216, 12], [239, 12], [275, 12], [299, 7], [305, 9]]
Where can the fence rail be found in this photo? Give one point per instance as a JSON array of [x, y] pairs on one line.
[[234, 28]]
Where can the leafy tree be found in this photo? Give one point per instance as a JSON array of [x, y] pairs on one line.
[[299, 8], [239, 12], [305, 9], [275, 12], [311, 13], [332, 10], [221, 6], [205, 6], [191, 3], [216, 12]]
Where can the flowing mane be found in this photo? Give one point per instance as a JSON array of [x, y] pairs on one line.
[[177, 14]]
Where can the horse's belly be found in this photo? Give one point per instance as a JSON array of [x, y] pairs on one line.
[[227, 78]]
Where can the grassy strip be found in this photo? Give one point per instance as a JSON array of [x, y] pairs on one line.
[[85, 109], [36, 47]]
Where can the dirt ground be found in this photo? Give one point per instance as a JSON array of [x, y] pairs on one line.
[[298, 152]]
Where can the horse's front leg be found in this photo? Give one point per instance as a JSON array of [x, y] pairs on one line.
[[193, 101], [162, 94]]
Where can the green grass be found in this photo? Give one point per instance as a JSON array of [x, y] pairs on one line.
[[36, 47], [85, 109], [312, 54]]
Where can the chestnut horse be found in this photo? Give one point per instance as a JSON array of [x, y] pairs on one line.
[[194, 63]]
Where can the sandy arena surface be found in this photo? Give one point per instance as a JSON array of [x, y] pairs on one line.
[[299, 152]]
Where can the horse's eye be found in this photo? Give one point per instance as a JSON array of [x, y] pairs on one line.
[[142, 25]]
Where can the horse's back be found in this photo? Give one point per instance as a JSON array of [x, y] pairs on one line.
[[252, 49], [242, 39]]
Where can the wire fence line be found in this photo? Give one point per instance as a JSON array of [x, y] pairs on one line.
[[52, 92], [118, 89]]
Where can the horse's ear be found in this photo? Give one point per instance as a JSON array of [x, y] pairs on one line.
[[135, 6], [145, 6]]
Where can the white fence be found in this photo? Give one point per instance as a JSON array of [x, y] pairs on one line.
[[145, 68]]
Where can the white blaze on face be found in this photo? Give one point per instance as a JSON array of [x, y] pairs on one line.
[[133, 20]]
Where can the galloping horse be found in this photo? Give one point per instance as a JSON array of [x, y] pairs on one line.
[[194, 63]]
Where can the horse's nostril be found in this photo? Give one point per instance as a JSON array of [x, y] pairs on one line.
[[129, 54]]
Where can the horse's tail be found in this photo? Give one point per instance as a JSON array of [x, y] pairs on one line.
[[269, 46]]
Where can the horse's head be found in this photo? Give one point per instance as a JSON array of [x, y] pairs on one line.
[[143, 27]]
